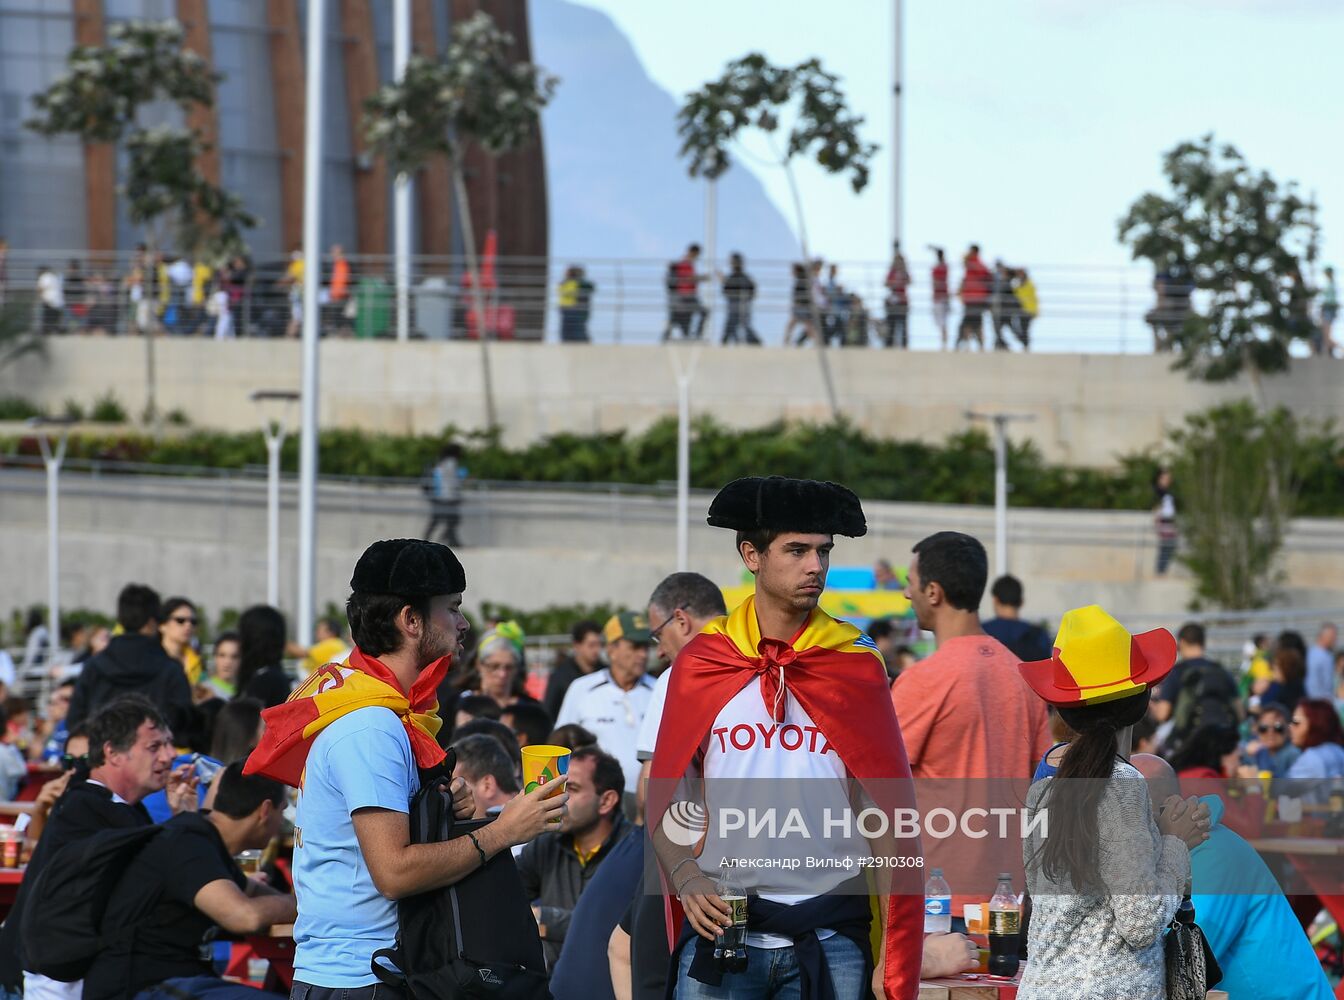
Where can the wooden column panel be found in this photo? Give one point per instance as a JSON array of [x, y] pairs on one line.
[[287, 87], [433, 184], [100, 159], [195, 18], [361, 82]]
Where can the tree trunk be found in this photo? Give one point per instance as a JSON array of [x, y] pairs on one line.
[[1273, 499], [816, 313], [477, 293]]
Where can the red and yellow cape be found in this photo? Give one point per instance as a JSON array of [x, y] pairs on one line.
[[837, 675], [337, 690]]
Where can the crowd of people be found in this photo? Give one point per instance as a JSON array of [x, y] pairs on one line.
[[824, 311], [178, 296], [403, 705]]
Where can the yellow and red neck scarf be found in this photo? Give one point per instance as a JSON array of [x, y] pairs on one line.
[[837, 675], [336, 690]]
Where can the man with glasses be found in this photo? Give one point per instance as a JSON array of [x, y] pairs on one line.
[[611, 703], [135, 663], [130, 757]]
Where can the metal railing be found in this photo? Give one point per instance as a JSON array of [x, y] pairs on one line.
[[1099, 309]]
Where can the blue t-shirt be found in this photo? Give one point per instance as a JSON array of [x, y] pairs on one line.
[[361, 760], [1045, 769], [599, 909]]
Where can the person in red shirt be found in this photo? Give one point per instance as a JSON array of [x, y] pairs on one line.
[[685, 310], [941, 299], [976, 282], [897, 332], [965, 712]]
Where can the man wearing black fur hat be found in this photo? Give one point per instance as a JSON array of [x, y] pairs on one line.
[[354, 739], [779, 696]]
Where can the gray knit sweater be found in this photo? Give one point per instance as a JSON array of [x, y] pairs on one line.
[[1105, 946]]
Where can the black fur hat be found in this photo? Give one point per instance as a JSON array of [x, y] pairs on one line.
[[777, 503], [408, 567]]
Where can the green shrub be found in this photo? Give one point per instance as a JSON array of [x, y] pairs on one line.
[[73, 410], [107, 409], [960, 470], [18, 408], [554, 619]]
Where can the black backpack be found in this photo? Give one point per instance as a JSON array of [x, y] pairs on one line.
[[474, 939], [62, 927], [1207, 699]]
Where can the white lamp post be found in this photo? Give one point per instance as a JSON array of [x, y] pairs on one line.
[[46, 427], [312, 249], [1000, 422], [275, 406]]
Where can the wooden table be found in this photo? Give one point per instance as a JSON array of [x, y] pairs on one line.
[[959, 988], [1319, 847], [275, 946]]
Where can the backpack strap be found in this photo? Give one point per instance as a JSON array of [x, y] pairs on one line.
[[389, 974]]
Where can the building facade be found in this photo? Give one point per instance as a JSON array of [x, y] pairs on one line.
[[58, 195]]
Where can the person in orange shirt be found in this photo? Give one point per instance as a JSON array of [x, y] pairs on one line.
[[966, 713]]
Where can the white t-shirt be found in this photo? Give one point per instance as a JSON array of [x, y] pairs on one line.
[[51, 288], [653, 717], [746, 744], [598, 704]]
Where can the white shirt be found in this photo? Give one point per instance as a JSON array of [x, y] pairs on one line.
[[51, 288], [653, 718], [746, 745], [598, 704]]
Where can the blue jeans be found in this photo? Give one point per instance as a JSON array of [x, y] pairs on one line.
[[203, 987], [772, 974]]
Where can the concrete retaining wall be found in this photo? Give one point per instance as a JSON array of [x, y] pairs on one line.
[[207, 539], [1087, 409]]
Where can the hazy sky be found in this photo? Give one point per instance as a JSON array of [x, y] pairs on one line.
[[1030, 125]]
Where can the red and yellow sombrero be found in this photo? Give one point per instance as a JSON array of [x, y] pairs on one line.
[[1096, 659]]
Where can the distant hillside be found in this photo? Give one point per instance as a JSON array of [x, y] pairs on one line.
[[616, 185]]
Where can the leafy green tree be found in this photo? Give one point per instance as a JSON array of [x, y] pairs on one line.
[[100, 99], [1245, 242], [1238, 473], [753, 93], [476, 92]]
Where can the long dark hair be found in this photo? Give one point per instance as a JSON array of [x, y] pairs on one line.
[[261, 641], [1070, 853], [236, 728]]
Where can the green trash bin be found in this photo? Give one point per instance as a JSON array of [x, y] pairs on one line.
[[373, 308]]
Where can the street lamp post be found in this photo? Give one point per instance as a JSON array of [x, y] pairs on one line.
[[684, 374], [52, 459], [401, 196], [312, 218], [274, 431], [1000, 423]]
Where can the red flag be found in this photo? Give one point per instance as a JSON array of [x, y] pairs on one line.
[[337, 690]]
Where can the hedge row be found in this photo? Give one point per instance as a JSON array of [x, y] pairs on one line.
[[959, 470]]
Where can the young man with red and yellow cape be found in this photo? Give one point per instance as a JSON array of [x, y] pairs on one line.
[[776, 697]]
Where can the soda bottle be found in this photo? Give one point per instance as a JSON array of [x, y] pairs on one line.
[[730, 948], [1005, 923], [937, 904]]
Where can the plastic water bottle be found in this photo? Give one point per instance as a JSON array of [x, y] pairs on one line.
[[937, 904], [1005, 926], [730, 948]]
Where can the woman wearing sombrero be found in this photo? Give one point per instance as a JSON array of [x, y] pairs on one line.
[[1104, 876]]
